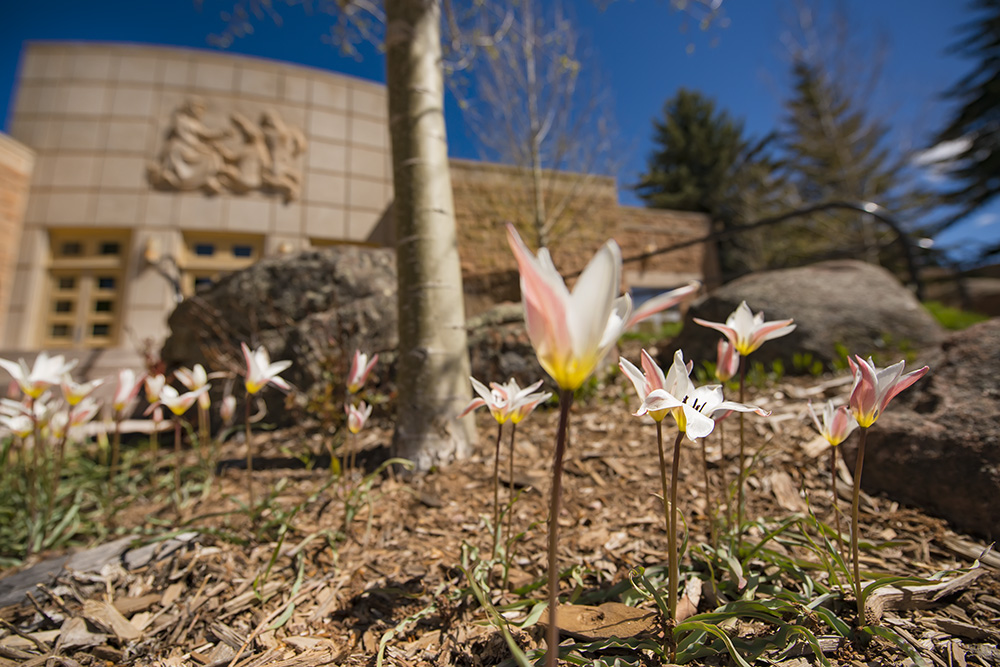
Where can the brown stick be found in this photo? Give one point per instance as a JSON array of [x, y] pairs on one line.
[[833, 491], [496, 493], [552, 635], [854, 526], [249, 454]]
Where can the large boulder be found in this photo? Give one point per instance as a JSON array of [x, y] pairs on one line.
[[938, 445], [846, 303], [315, 308]]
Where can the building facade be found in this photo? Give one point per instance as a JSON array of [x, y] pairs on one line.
[[156, 170]]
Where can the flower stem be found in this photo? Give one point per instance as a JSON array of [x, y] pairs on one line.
[[674, 576], [496, 492], [116, 444], [177, 461], [552, 635], [739, 484], [510, 491], [56, 473], [203, 426], [833, 499], [854, 526], [249, 453], [709, 509], [727, 498], [154, 441], [508, 543]]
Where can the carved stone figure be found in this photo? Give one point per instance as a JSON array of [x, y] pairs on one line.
[[285, 145], [240, 158], [190, 160], [244, 167]]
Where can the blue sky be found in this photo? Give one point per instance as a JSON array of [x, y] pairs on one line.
[[642, 52]]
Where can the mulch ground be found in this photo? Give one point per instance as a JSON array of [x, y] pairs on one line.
[[231, 591]]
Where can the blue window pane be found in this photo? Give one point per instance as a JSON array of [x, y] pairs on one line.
[[204, 249], [242, 251], [106, 282]]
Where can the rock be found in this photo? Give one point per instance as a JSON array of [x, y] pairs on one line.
[[314, 308], [938, 445], [499, 348], [861, 307]]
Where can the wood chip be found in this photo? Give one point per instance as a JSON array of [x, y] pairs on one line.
[[129, 606], [786, 491], [172, 593], [109, 619], [611, 619], [75, 634]]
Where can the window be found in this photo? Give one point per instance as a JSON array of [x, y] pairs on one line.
[[85, 281], [72, 249], [209, 257]]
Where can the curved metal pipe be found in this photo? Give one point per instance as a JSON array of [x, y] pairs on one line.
[[871, 208]]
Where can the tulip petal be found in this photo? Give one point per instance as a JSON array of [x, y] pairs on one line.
[[662, 302]]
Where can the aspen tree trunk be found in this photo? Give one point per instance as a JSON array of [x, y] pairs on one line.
[[433, 369]]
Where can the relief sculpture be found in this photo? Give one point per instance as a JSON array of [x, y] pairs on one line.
[[239, 158]]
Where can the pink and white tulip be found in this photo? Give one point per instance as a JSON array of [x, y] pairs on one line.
[[507, 402], [662, 302], [571, 331], [179, 403], [873, 388], [357, 415], [127, 389], [693, 408], [154, 385], [651, 378], [195, 378], [44, 372], [261, 371], [522, 402], [727, 361], [74, 392], [747, 331], [837, 423], [361, 368], [228, 408]]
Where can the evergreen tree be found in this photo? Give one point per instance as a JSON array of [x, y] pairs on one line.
[[703, 163], [975, 124], [696, 150], [835, 151]]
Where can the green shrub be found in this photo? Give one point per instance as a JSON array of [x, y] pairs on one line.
[[954, 319]]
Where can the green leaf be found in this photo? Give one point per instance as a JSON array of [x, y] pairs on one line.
[[717, 632]]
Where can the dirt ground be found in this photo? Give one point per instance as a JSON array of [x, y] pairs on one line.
[[284, 590]]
